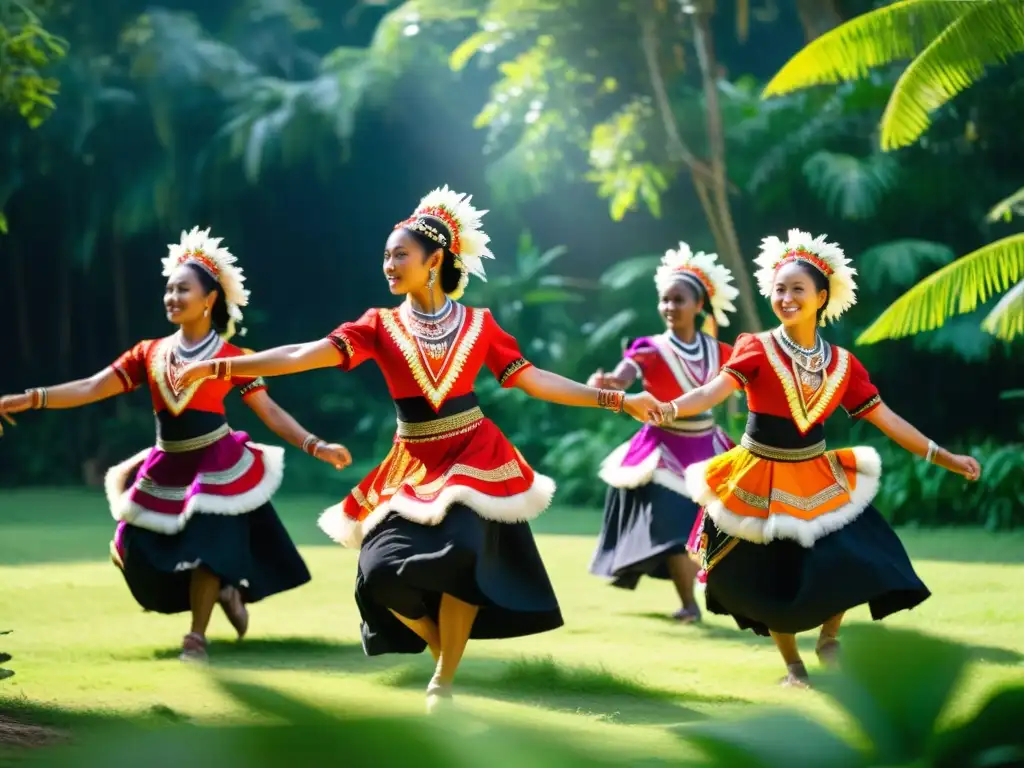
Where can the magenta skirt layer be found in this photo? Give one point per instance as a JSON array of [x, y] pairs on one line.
[[160, 491], [660, 456]]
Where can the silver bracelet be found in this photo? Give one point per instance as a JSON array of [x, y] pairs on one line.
[[932, 450], [310, 439]]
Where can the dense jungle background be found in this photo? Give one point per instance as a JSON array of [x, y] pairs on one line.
[[598, 133]]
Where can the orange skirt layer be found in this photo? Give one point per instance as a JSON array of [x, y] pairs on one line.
[[760, 500], [421, 479]]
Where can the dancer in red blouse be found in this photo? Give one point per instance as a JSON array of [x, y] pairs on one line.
[[648, 514], [446, 552], [195, 523], [790, 540]]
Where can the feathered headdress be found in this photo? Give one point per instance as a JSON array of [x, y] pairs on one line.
[[703, 270], [197, 247], [828, 258], [459, 231]]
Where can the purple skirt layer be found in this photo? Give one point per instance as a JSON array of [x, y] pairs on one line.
[[660, 456], [160, 491]]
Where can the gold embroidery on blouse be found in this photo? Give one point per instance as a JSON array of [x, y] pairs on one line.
[[436, 395], [805, 417]]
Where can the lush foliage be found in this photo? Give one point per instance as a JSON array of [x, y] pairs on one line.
[[950, 44], [302, 138]]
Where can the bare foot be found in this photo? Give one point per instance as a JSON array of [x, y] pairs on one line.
[[193, 648], [796, 676], [439, 697], [688, 614]]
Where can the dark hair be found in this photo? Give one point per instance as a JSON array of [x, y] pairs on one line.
[[450, 274], [820, 284], [219, 317]]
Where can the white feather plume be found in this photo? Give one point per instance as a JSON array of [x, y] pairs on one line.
[[842, 285], [705, 267], [471, 248], [198, 245]]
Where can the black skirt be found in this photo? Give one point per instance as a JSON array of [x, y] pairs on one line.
[[406, 567], [642, 527], [785, 587], [252, 552]]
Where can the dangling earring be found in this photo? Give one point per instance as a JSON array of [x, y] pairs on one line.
[[206, 311], [433, 277]]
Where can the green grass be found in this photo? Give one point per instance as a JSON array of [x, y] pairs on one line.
[[82, 644]]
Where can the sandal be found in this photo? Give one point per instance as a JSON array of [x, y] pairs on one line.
[[234, 608], [688, 615], [796, 676], [194, 648], [828, 651]]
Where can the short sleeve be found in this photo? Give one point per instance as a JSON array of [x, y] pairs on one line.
[[724, 350], [248, 385], [131, 366], [745, 360], [640, 353], [504, 359], [357, 341], [861, 396]]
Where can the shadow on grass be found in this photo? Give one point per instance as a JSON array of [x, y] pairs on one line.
[[807, 641], [283, 653], [594, 692]]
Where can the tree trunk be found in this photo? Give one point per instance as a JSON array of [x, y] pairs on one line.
[[818, 17], [727, 241]]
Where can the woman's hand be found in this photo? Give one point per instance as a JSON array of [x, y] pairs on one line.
[[334, 454], [190, 374], [599, 380], [967, 466], [645, 407], [13, 404]]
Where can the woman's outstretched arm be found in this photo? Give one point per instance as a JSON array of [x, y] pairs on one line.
[[99, 386], [277, 361], [908, 437], [284, 425], [549, 386], [703, 398]]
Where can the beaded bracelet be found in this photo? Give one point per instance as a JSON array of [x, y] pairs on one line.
[[38, 397], [612, 399]]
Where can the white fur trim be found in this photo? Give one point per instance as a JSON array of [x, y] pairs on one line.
[[758, 530], [503, 509], [123, 508], [616, 475]]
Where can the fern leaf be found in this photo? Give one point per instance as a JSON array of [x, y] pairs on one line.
[[986, 34], [893, 33], [955, 289], [1006, 320], [851, 187], [1005, 208], [901, 262]]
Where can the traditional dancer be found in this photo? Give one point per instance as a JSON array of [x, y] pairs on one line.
[[195, 520], [790, 540], [648, 515], [445, 550]]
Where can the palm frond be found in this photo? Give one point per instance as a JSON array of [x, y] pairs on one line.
[[1006, 320], [987, 33], [893, 33], [953, 290], [851, 187], [1007, 207]]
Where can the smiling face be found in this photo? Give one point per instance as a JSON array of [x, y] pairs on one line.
[[406, 264], [678, 305], [184, 298], [795, 298]]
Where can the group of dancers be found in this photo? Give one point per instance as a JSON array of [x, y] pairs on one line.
[[780, 528]]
